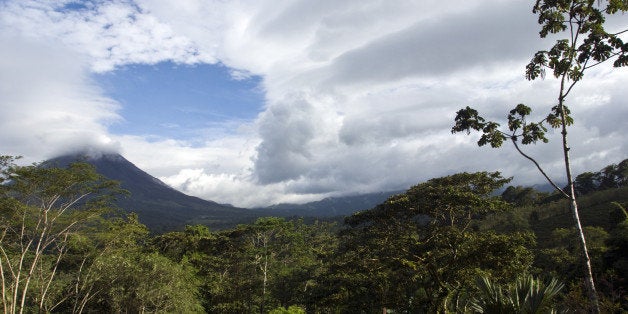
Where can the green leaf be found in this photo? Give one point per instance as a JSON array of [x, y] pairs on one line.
[[536, 66], [554, 119], [492, 135], [516, 118], [534, 132], [466, 120], [621, 61]]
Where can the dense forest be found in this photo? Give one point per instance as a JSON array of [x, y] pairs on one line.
[[451, 244]]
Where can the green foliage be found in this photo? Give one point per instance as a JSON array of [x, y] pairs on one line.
[[619, 213], [416, 250], [420, 251], [526, 295], [452, 200], [587, 45], [58, 252], [177, 245], [292, 309], [138, 281], [254, 267], [114, 272], [468, 119], [50, 186], [41, 211], [584, 19], [595, 210], [612, 176], [511, 221], [557, 252], [617, 254], [522, 196], [560, 256]]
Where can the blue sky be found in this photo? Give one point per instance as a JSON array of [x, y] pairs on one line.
[[261, 102], [179, 101]]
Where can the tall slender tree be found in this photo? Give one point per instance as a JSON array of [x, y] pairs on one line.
[[587, 44], [41, 208]]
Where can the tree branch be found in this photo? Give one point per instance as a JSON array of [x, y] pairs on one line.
[[600, 62], [514, 141]]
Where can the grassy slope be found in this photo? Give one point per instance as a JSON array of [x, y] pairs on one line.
[[594, 209]]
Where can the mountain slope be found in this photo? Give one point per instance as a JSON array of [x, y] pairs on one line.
[[163, 208], [331, 206], [159, 206]]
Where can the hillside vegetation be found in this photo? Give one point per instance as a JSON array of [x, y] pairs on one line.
[[445, 245]]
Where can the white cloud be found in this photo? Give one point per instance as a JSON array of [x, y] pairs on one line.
[[48, 104], [360, 95], [111, 33]]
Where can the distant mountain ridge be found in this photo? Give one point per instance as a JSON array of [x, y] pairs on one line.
[[158, 206], [331, 206], [162, 208]]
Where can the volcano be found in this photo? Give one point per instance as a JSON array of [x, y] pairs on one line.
[[158, 206]]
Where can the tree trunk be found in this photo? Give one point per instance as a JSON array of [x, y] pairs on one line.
[[591, 291], [590, 284]]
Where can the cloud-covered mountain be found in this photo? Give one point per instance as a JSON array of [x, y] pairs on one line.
[[158, 206], [163, 208]]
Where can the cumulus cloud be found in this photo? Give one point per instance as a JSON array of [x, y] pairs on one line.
[[111, 33], [441, 46], [360, 95], [48, 104]]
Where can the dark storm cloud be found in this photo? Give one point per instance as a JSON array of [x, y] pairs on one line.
[[491, 33]]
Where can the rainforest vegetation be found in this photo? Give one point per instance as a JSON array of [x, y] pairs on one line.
[[450, 244], [464, 243]]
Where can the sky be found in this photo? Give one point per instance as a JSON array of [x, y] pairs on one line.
[[254, 103]]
